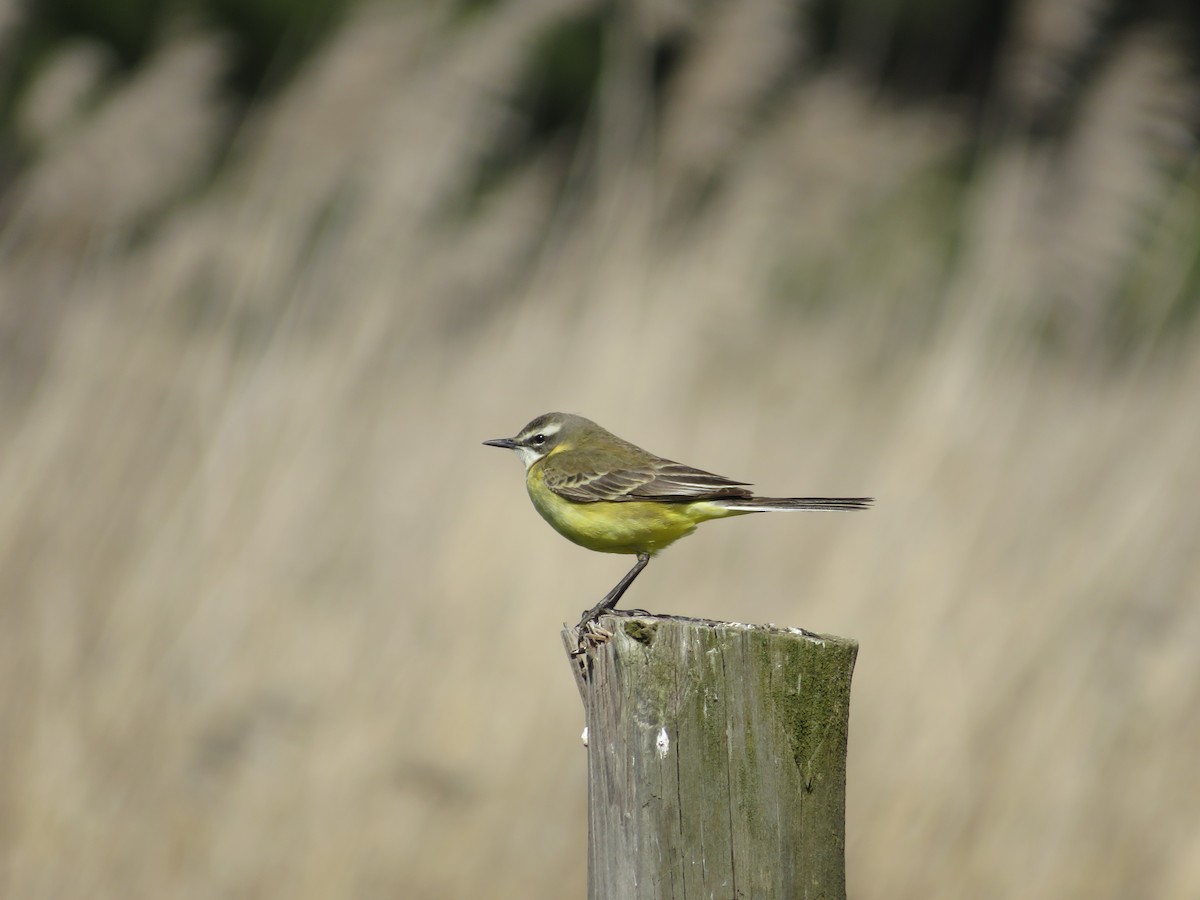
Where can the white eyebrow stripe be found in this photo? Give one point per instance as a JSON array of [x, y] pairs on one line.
[[551, 428]]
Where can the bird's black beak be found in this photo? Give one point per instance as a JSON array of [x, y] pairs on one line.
[[506, 443]]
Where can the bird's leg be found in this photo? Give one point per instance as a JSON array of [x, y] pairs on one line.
[[610, 599]]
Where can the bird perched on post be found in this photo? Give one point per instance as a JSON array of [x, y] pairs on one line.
[[607, 494]]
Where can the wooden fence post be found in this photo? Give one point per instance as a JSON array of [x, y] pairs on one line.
[[716, 760]]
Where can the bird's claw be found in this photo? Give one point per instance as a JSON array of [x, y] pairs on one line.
[[590, 635]]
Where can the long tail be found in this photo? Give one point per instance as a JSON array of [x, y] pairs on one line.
[[778, 504]]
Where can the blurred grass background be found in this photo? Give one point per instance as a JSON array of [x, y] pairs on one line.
[[272, 623]]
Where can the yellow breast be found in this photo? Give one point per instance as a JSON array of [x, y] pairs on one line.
[[637, 526]]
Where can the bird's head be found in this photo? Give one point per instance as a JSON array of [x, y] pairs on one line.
[[545, 434]]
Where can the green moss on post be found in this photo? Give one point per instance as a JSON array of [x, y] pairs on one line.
[[716, 760]]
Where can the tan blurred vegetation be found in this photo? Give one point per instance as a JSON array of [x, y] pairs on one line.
[[273, 623]]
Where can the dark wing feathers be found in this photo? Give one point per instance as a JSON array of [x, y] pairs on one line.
[[659, 479], [674, 480]]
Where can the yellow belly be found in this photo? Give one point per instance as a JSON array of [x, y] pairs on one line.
[[627, 527]]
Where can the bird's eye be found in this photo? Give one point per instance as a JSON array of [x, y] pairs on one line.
[[539, 439]]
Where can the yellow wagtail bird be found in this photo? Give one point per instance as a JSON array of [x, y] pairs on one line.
[[607, 494]]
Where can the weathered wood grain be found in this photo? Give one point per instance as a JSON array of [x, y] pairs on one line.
[[716, 760]]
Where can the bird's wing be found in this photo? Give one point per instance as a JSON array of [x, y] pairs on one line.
[[656, 479]]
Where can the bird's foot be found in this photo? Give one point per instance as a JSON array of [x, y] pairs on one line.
[[589, 633], [592, 634]]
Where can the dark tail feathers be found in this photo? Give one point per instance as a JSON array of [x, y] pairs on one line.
[[777, 504]]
